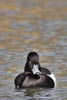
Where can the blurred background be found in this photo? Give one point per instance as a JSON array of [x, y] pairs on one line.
[[33, 25]]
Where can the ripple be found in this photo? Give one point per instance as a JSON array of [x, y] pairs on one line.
[[33, 25]]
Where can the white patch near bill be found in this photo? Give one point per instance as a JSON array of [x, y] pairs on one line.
[[53, 78], [35, 69]]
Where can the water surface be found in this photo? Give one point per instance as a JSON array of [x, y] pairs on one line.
[[33, 25]]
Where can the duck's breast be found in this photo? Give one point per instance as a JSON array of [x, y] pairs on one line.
[[33, 82]]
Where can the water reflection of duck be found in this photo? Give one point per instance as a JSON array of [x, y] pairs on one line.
[[34, 75], [31, 92]]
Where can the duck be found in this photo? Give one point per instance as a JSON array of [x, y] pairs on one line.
[[34, 75]]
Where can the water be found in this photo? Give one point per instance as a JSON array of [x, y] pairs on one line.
[[34, 25]]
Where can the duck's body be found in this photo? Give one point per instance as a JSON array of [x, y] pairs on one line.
[[38, 82], [34, 75]]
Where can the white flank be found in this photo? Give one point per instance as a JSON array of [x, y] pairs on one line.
[[53, 78]]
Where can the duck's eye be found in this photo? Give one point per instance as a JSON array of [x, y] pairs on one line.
[[31, 66]]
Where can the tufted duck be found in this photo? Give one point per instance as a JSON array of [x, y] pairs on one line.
[[34, 75]]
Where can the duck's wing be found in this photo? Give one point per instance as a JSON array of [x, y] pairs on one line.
[[45, 71], [19, 80]]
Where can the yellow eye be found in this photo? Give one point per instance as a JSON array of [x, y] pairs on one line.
[[30, 64]]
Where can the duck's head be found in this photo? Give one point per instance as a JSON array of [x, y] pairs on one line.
[[32, 64]]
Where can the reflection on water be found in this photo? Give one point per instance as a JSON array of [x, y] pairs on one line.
[[34, 25]]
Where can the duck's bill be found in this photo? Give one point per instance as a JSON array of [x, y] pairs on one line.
[[36, 70]]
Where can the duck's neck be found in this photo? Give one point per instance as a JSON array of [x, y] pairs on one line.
[[27, 67]]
